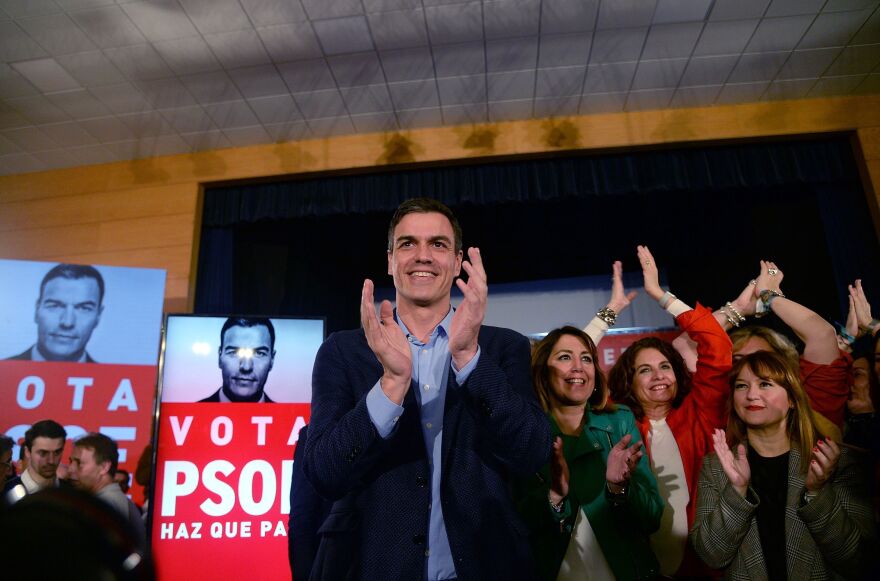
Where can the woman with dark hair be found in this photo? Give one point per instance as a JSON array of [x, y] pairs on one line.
[[779, 499], [676, 412], [591, 509]]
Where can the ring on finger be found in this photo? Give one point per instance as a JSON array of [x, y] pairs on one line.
[[772, 271]]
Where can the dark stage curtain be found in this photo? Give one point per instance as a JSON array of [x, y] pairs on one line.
[[303, 247]]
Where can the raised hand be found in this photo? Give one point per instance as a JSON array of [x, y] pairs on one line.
[[735, 466], [745, 302], [559, 475], [388, 342], [822, 464], [650, 272], [622, 461], [620, 299], [469, 315], [770, 278], [862, 307]]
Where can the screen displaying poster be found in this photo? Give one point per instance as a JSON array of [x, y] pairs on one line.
[[234, 394], [80, 346]]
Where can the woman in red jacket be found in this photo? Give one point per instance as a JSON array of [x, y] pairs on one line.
[[676, 411]]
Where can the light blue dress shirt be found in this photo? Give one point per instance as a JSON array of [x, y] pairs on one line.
[[431, 364]]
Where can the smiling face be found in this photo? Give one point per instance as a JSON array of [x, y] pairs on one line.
[[572, 372], [760, 402], [423, 261], [246, 357], [67, 312], [654, 382]]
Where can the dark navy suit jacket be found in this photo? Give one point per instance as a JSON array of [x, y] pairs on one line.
[[493, 428]]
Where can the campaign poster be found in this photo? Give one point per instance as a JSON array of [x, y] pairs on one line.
[[80, 346], [234, 393]]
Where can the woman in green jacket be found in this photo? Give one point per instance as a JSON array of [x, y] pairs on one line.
[[591, 509]]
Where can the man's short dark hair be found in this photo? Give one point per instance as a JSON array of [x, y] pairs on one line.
[[424, 206], [44, 429], [103, 448], [6, 444], [74, 272], [249, 322]]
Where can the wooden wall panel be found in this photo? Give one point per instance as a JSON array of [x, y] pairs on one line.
[[147, 212]]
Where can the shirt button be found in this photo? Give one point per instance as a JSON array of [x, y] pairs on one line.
[[427, 552], [427, 387], [429, 425], [419, 539]]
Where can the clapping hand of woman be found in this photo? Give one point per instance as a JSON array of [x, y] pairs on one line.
[[622, 461], [559, 474], [822, 464], [736, 466]]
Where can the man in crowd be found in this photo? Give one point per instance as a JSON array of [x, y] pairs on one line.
[[67, 311], [7, 468], [419, 418], [43, 445], [93, 465], [245, 358]]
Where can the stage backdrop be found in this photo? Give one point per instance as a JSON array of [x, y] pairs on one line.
[[111, 390], [222, 470]]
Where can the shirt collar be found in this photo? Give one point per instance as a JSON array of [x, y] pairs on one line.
[[443, 326]]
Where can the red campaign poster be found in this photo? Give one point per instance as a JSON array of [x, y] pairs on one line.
[[223, 490]]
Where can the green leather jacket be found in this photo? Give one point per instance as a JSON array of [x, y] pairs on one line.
[[621, 524]]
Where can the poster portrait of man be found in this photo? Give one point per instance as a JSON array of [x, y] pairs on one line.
[[245, 358]]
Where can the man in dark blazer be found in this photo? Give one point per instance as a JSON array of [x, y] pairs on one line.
[[420, 419]]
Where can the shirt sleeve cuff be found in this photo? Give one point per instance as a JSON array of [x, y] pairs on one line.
[[677, 307], [384, 413], [461, 376], [596, 329]]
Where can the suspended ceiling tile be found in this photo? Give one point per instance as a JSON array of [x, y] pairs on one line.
[[20, 163], [367, 100], [741, 92], [140, 61], [455, 23], [414, 94], [356, 70], [165, 93], [266, 12], [511, 54], [409, 64], [320, 104], [91, 68], [388, 5], [276, 109], [399, 29], [658, 74], [121, 98], [672, 40], [188, 119], [37, 109], [231, 114], [609, 78], [602, 103], [212, 16], [57, 33], [510, 110], [245, 136], [459, 59], [291, 131], [834, 29], [649, 99], [147, 124], [93, 155], [560, 50], [836, 5], [565, 16], [343, 35], [465, 114], [7, 147], [108, 27], [328, 127], [13, 84], [56, 159], [870, 32], [68, 134], [415, 118], [154, 146], [77, 4], [16, 45], [25, 8], [187, 56], [681, 11], [788, 89], [46, 75], [511, 86], [462, 90], [374, 122], [618, 45], [10, 118], [160, 19], [211, 87], [79, 104], [804, 64], [757, 67], [206, 140], [831, 86], [854, 60], [706, 71], [511, 18], [317, 9], [695, 96], [238, 48], [626, 13], [29, 138], [871, 84], [290, 42], [793, 7], [738, 9], [303, 76], [259, 81], [775, 34], [559, 82], [725, 37]]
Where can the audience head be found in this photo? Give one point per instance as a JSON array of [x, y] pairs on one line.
[[565, 371], [649, 373], [43, 445], [747, 340], [864, 394], [93, 462], [7, 468]]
